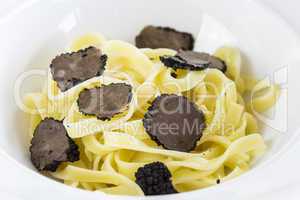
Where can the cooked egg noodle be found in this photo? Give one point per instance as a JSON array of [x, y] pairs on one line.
[[112, 151]]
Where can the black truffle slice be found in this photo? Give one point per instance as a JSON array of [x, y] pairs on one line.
[[164, 37], [70, 69], [106, 101], [155, 179], [174, 122], [51, 145], [193, 61]]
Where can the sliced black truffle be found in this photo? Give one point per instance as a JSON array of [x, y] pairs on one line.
[[70, 69], [155, 179], [164, 37], [192, 60], [106, 101], [174, 122], [51, 145]]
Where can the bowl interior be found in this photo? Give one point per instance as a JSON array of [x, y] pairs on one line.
[[36, 31]]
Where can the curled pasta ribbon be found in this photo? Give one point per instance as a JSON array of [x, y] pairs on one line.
[[232, 57], [72, 173], [87, 40], [154, 54], [127, 58], [170, 85], [219, 98], [148, 89], [38, 103], [263, 96]]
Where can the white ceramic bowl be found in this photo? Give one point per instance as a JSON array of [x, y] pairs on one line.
[[33, 32]]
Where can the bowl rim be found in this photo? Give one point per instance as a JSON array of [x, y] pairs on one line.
[[283, 151]]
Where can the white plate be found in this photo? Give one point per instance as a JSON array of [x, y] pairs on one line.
[[34, 32]]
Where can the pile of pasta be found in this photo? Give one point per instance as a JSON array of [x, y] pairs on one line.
[[112, 151]]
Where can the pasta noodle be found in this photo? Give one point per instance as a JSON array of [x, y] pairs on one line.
[[112, 151]]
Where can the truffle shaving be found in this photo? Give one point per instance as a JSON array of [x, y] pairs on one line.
[[70, 69], [192, 60], [164, 37], [106, 101], [174, 122], [51, 145], [155, 179]]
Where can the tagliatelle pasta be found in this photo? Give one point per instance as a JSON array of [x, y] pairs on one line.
[[112, 151]]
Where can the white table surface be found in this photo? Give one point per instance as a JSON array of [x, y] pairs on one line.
[[290, 188]]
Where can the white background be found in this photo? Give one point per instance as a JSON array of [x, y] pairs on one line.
[[289, 10]]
